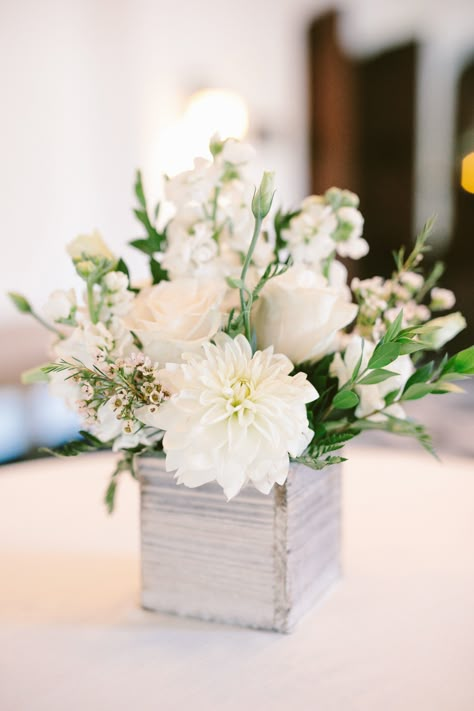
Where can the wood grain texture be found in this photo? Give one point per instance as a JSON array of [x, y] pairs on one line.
[[257, 561]]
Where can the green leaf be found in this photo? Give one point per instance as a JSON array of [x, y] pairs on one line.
[[421, 375], [384, 354], [356, 371], [21, 303], [391, 397], [109, 497], [394, 329], [318, 464], [408, 346], [147, 246], [157, 272], [139, 192], [376, 376], [417, 391], [35, 375], [345, 400], [462, 362]]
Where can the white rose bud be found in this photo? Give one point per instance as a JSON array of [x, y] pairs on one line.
[[89, 245], [442, 299], [445, 328], [263, 198]]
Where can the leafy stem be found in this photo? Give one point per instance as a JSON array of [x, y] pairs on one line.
[[246, 297]]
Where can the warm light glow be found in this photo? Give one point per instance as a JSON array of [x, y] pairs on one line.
[[217, 111], [208, 112], [467, 173]]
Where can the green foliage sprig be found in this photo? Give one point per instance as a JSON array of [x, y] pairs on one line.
[[155, 241]]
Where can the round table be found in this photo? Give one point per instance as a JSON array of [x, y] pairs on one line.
[[397, 633]]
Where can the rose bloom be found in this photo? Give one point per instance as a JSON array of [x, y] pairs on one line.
[[176, 316], [300, 315], [233, 416]]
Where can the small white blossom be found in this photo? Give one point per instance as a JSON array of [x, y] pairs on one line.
[[442, 299], [412, 280], [60, 304]]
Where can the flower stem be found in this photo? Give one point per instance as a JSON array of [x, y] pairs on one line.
[[246, 304], [47, 325], [90, 301]]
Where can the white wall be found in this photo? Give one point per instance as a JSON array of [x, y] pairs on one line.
[[87, 86]]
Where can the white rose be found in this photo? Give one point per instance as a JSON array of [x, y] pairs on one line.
[[445, 328], [372, 397], [60, 304], [300, 315], [176, 316], [90, 245]]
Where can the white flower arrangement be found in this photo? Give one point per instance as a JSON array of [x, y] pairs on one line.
[[248, 349]]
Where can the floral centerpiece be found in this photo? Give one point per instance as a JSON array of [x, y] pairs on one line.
[[247, 349]]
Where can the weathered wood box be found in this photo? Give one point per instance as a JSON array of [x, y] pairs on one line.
[[257, 561]]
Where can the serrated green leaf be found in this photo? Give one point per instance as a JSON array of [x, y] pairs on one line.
[[345, 400], [384, 354]]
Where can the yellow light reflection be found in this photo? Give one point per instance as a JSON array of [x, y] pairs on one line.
[[467, 173]]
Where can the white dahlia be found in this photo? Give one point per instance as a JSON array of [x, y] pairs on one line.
[[233, 417]]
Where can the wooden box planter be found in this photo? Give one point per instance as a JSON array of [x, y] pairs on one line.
[[257, 561]]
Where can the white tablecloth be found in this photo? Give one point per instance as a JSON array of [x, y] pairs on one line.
[[396, 634]]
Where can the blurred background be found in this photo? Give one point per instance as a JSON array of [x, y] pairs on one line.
[[374, 97]]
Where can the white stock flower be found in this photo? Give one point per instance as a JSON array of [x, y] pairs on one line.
[[372, 397], [191, 253], [442, 299], [234, 417], [236, 152], [88, 339], [309, 235], [60, 304], [176, 316], [116, 297], [300, 315], [192, 186], [86, 344], [351, 225], [91, 245]]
